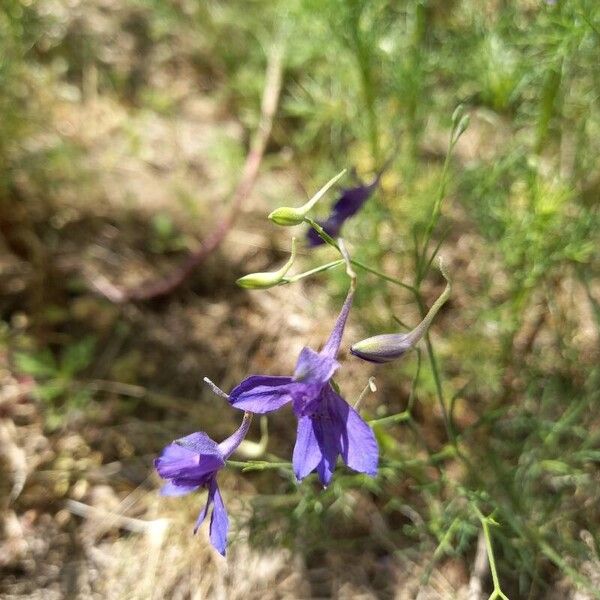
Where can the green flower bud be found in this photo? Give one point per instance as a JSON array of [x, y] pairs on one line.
[[457, 115], [462, 126], [263, 281], [288, 216]]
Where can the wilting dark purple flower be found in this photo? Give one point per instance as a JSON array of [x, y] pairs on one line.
[[327, 425], [193, 462], [390, 346], [348, 204]]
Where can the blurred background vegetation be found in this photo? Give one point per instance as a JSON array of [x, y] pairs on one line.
[[124, 125]]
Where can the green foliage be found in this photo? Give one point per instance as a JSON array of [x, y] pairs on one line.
[[55, 378]]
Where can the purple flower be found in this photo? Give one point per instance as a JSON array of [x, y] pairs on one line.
[[193, 462], [327, 425], [348, 204]]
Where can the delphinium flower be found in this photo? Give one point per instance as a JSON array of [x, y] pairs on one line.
[[192, 462], [327, 425], [390, 346], [349, 203]]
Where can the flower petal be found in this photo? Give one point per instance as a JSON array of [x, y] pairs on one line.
[[358, 446], [261, 393], [332, 345], [307, 453], [348, 204], [177, 489], [189, 458], [209, 500], [219, 522], [326, 468], [314, 368], [328, 434]]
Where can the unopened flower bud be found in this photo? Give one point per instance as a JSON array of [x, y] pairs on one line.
[[462, 126], [390, 346], [457, 115], [288, 216], [263, 281]]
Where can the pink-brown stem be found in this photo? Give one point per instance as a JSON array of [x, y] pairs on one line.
[[166, 285]]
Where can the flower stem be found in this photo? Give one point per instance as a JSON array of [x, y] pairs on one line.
[[422, 264], [325, 267], [497, 591], [331, 242], [258, 465], [391, 419]]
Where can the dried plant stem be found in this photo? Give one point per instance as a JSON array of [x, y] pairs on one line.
[[166, 285]]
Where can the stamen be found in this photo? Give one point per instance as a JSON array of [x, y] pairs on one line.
[[216, 389], [370, 387]]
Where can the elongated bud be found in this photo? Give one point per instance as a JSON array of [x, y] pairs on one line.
[[460, 122], [288, 216], [262, 281], [457, 115], [390, 346], [462, 126]]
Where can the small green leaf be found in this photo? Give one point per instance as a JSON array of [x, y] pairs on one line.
[[40, 365]]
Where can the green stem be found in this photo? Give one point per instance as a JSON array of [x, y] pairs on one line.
[[439, 551], [381, 275], [497, 592], [437, 380], [391, 419], [331, 242], [325, 267], [258, 465], [421, 256]]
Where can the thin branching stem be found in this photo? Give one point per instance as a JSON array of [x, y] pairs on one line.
[[299, 276], [497, 591]]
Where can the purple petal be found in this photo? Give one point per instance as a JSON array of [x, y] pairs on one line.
[[331, 226], [307, 453], [191, 457], [352, 200], [328, 434], [219, 522], [307, 398], [326, 467], [332, 346], [177, 489], [200, 443], [228, 446], [358, 446], [314, 368], [348, 204], [261, 393], [209, 500]]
